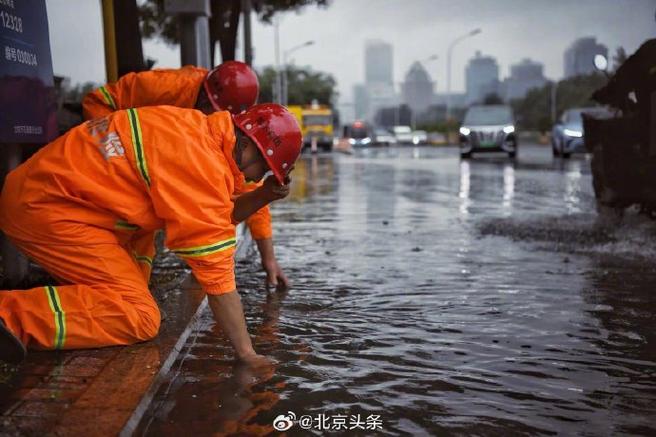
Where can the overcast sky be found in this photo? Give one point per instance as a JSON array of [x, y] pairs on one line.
[[417, 29]]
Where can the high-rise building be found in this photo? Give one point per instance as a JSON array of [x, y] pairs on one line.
[[481, 78], [579, 56], [360, 101], [417, 90], [378, 62], [523, 76], [379, 79]]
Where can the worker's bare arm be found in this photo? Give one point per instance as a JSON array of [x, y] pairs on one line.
[[229, 315], [276, 278]]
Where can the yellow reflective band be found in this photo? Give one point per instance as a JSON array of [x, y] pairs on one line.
[[60, 316], [108, 97], [209, 249], [125, 226], [135, 128], [144, 259]]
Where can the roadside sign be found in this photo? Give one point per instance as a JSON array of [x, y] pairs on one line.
[[27, 97]]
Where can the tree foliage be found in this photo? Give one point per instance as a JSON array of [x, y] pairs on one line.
[[223, 23], [619, 57], [303, 85], [533, 112], [493, 99]]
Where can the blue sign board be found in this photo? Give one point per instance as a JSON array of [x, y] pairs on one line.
[[27, 97]]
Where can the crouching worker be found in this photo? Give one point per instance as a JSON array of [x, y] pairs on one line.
[[73, 206]]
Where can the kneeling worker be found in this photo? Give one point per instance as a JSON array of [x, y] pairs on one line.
[[72, 206]]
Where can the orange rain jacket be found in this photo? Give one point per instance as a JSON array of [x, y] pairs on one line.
[[135, 170], [175, 87], [79, 205]]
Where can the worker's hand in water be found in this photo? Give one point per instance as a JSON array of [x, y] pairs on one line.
[[275, 277], [256, 361], [272, 190]]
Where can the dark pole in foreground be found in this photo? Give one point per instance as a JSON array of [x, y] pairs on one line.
[[194, 32], [14, 264], [248, 45]]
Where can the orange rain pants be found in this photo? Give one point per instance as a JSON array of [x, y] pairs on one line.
[[83, 206]]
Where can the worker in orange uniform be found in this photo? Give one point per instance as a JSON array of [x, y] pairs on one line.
[[71, 208], [232, 86]]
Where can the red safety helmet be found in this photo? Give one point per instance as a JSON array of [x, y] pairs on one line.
[[232, 86], [276, 133]]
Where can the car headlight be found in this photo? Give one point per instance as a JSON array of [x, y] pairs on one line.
[[509, 129], [465, 131], [366, 140], [352, 141], [573, 133]]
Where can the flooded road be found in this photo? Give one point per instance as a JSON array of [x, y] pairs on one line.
[[433, 296]]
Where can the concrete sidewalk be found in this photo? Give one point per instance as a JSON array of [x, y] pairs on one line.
[[104, 391]]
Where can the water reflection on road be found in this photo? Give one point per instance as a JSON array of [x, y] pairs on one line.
[[402, 308]]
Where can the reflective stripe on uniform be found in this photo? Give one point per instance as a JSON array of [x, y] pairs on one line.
[[144, 259], [108, 97], [125, 226], [135, 128], [60, 316], [209, 249]]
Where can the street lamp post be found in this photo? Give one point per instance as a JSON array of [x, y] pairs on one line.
[[432, 57], [552, 100], [448, 68], [285, 56], [277, 87]]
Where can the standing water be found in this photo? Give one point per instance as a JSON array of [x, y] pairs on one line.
[[434, 296]]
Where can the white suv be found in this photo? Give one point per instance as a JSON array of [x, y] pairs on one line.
[[403, 134], [488, 128]]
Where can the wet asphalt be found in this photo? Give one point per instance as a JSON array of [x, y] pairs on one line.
[[444, 296]]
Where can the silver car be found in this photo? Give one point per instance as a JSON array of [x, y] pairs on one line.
[[567, 133], [383, 137], [488, 128]]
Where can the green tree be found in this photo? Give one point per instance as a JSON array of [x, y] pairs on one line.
[[492, 99], [223, 23], [303, 85], [533, 112], [619, 57]]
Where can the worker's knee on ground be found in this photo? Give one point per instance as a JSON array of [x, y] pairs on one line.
[[149, 323]]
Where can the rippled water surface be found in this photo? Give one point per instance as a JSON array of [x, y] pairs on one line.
[[447, 297]]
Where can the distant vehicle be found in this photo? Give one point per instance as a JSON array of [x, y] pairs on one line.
[[383, 137], [419, 137], [567, 133], [358, 134], [403, 134], [316, 122], [488, 128]]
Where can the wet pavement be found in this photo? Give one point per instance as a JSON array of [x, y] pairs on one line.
[[99, 391], [439, 297], [433, 296]]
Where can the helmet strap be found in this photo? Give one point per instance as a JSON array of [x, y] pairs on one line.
[[242, 142]]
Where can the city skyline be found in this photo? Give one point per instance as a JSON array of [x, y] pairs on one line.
[[511, 31]]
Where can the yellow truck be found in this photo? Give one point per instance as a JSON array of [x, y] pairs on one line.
[[316, 123]]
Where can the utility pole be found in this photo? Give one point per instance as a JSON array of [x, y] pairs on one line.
[[448, 68], [552, 100], [277, 89], [195, 30], [285, 79], [248, 44]]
